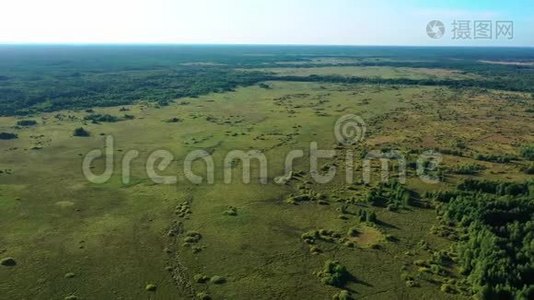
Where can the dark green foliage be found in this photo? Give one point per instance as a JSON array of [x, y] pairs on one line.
[[26, 123], [231, 211], [495, 187], [497, 253], [467, 169], [334, 274], [342, 295], [8, 262], [97, 118], [8, 136], [529, 169], [353, 231], [452, 151], [391, 194], [527, 152], [200, 278], [371, 217], [174, 120], [502, 158], [192, 237], [367, 216], [444, 196], [81, 132]]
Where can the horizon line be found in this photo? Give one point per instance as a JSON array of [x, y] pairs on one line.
[[250, 44]]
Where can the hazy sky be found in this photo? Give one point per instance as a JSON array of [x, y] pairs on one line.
[[352, 22]]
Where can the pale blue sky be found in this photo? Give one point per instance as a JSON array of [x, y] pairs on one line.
[[347, 22]]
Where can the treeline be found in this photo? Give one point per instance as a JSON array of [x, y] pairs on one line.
[[22, 97], [495, 76], [163, 87], [496, 247], [495, 187], [451, 83]]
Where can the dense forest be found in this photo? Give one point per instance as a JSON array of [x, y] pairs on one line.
[[495, 226]]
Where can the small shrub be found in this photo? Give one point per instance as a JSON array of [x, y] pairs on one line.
[[376, 247], [97, 118], [353, 231], [26, 123], [325, 232], [435, 269], [8, 136], [192, 237], [529, 170], [81, 132], [424, 270], [467, 169], [411, 283], [334, 274], [349, 244], [342, 295], [231, 211], [315, 250], [420, 263], [300, 198], [190, 240], [405, 276], [217, 279], [391, 238], [200, 278], [527, 152], [371, 217], [392, 207], [174, 120], [8, 262], [310, 236], [502, 159], [447, 288], [203, 296]]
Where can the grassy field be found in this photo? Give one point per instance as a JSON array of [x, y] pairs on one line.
[[111, 240]]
